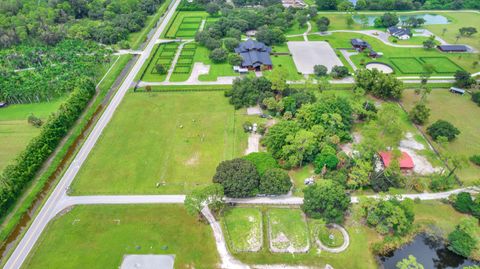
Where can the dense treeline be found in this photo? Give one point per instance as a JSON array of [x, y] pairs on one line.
[[34, 73], [345, 5], [49, 22], [16, 176]]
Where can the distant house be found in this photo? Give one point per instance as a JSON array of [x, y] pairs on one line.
[[3, 104], [359, 44], [399, 32], [457, 90], [453, 48], [405, 161], [255, 55]]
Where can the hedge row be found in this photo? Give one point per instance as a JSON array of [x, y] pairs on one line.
[[16, 176]]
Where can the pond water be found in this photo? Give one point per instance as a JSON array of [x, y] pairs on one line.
[[429, 18], [430, 252]]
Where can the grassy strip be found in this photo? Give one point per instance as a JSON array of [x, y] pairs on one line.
[[168, 88], [136, 39], [38, 185]]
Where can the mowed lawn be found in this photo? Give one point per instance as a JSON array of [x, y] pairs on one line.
[[243, 228], [163, 143], [458, 20], [98, 236], [15, 132], [462, 113]]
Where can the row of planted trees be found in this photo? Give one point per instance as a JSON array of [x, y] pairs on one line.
[[18, 175]]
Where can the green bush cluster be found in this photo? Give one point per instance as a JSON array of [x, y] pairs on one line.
[[475, 159], [17, 175], [464, 203]]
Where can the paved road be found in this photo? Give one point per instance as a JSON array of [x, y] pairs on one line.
[[58, 195]]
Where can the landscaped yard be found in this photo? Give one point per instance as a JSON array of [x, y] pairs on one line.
[[16, 132], [168, 142], [185, 24], [162, 54], [462, 113], [98, 236], [288, 231], [243, 228], [413, 57]]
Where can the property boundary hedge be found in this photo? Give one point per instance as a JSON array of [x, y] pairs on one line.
[[16, 176]]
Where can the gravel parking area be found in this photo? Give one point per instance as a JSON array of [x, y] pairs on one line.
[[308, 54]]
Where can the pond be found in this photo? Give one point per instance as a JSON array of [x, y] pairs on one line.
[[429, 18], [430, 251]]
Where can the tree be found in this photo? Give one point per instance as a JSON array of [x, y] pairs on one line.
[[276, 136], [326, 159], [386, 20], [467, 31], [476, 97], [211, 195], [323, 23], [389, 216], [231, 43], [409, 263], [263, 161], [339, 72], [270, 35], [275, 181], [212, 8], [381, 85], [464, 79], [327, 200], [463, 202], [160, 68], [299, 147], [238, 177], [218, 55], [326, 4], [302, 19], [349, 21], [420, 113], [249, 91], [320, 70], [462, 240], [360, 173], [442, 128], [278, 78], [429, 43], [235, 59]]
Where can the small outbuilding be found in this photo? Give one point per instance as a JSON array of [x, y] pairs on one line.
[[399, 32], [255, 55], [405, 161], [457, 90], [453, 48], [3, 104]]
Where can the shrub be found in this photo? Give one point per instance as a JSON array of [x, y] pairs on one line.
[[475, 159], [476, 97], [443, 128], [235, 59], [327, 158], [463, 202], [238, 177], [441, 183], [275, 181], [160, 69], [463, 79], [320, 70], [35, 121], [389, 216], [231, 43], [462, 240], [262, 161]]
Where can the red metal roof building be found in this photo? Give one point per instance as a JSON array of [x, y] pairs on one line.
[[405, 160]]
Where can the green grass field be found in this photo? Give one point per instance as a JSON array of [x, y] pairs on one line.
[[462, 113], [243, 228], [97, 236], [163, 143], [216, 69], [288, 229], [185, 24], [15, 132], [330, 237], [458, 20], [414, 40]]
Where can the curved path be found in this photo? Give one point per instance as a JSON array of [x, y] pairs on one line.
[[343, 247]]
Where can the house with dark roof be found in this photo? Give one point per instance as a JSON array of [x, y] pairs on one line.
[[453, 48], [255, 55], [405, 161], [399, 32], [359, 44]]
